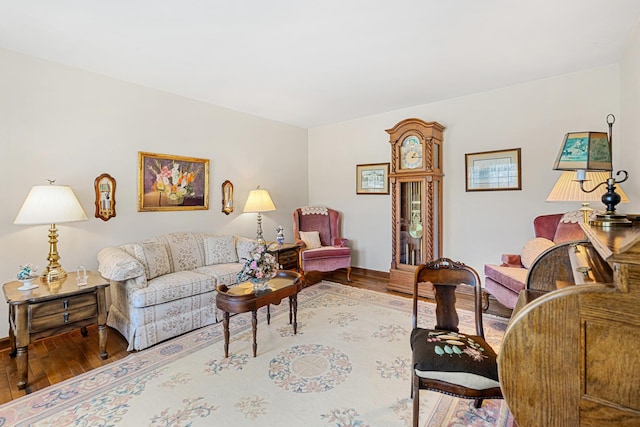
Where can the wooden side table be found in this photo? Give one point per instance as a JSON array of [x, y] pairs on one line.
[[287, 255], [51, 309]]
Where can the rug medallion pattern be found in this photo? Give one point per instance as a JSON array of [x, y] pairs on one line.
[[349, 365]]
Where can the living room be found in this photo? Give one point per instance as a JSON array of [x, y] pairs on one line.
[[68, 124]]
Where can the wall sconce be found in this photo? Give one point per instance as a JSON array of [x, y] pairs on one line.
[[591, 151], [227, 197]]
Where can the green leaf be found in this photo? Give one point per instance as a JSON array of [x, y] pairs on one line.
[[438, 350]]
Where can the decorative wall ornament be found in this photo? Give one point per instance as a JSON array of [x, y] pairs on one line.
[[227, 197], [105, 186]]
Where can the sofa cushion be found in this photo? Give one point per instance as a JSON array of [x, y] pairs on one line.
[[326, 252], [311, 239], [223, 274], [172, 286], [532, 249], [245, 247], [219, 250], [513, 278], [186, 250], [154, 257]]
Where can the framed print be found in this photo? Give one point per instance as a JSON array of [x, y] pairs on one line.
[[493, 170], [372, 178], [172, 183]]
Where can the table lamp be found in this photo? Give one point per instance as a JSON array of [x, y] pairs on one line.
[[51, 204], [259, 201], [567, 189], [591, 151]]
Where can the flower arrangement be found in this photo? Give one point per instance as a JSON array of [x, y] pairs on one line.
[[27, 272], [261, 266], [176, 182]]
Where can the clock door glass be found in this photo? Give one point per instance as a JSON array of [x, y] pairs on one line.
[[411, 153], [411, 227]]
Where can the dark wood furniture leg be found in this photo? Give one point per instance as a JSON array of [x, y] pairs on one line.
[[225, 329], [254, 326], [293, 306]]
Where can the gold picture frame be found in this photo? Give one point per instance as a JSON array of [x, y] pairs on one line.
[[372, 178], [172, 183], [227, 197], [493, 170]]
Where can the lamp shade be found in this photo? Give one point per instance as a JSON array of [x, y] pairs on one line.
[[259, 201], [567, 188], [50, 204], [584, 151]]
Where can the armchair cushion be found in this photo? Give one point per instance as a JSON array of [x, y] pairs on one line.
[[311, 239], [326, 252], [532, 249]]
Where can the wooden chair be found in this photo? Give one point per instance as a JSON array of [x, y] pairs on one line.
[[443, 359]]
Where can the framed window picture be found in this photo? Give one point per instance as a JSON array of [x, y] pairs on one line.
[[493, 170], [172, 183], [372, 178]]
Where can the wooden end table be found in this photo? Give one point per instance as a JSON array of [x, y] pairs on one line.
[[51, 309], [242, 299], [287, 255]]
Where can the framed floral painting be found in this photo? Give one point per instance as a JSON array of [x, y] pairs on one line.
[[172, 183]]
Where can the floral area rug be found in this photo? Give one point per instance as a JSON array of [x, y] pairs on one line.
[[348, 365]]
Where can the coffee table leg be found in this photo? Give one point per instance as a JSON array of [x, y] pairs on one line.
[[293, 303], [254, 325], [268, 314], [225, 329]]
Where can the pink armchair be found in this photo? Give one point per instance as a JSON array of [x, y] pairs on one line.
[[316, 231]]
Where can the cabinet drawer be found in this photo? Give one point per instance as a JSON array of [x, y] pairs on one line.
[[288, 257], [61, 305], [63, 318]]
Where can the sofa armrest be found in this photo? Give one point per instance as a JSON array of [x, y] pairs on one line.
[[511, 260], [116, 264], [340, 242]]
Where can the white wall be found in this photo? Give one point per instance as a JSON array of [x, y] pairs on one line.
[[478, 226], [629, 138], [70, 125]]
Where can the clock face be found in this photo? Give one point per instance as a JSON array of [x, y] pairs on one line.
[[411, 153]]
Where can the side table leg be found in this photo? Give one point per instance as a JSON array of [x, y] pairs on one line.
[[225, 329], [294, 302], [103, 332], [254, 326], [22, 364]]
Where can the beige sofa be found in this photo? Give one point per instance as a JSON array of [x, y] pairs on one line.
[[166, 286]]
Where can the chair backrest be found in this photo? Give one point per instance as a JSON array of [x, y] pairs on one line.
[[323, 220], [446, 275]]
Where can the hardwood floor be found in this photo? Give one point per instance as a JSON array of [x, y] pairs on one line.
[[55, 359]]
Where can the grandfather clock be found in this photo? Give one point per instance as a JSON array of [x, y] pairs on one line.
[[416, 194]]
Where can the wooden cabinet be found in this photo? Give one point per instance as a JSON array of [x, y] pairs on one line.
[[570, 356], [287, 255], [416, 194]]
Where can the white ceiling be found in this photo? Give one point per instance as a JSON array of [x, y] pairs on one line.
[[315, 62]]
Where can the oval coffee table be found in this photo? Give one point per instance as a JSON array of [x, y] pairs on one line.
[[242, 298]]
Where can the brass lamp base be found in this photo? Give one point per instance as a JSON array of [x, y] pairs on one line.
[[610, 220], [53, 274]]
